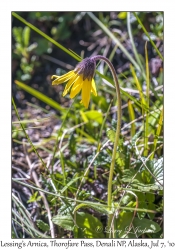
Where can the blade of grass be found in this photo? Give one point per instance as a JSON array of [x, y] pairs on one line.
[[99, 136], [69, 184], [146, 130], [133, 44], [80, 201], [138, 85], [132, 117], [146, 33], [80, 58], [59, 132], [28, 138], [147, 75], [24, 213], [16, 130], [90, 139], [34, 120], [27, 230], [138, 104], [46, 36], [55, 194], [111, 35], [63, 171], [29, 226], [159, 128], [39, 95]]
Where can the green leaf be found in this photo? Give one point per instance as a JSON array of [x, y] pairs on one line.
[[17, 33], [123, 221], [42, 46], [42, 225], [126, 199], [64, 221], [147, 177], [145, 226], [141, 226], [66, 208], [26, 36], [94, 115], [151, 206], [87, 225], [156, 168], [111, 135], [102, 159], [120, 158], [150, 197], [141, 204], [34, 197], [141, 180], [131, 174]]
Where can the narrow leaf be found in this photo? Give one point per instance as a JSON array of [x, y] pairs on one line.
[[39, 95]]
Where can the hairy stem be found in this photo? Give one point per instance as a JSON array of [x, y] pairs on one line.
[[117, 134]]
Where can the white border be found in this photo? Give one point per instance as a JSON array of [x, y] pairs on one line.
[[5, 93]]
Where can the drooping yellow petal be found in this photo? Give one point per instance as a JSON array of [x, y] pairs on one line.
[[69, 84], [74, 79], [64, 78], [76, 87], [86, 91], [94, 91]]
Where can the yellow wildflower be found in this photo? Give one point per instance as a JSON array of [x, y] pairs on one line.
[[79, 79]]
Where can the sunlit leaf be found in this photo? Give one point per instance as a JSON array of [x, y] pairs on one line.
[[86, 223]]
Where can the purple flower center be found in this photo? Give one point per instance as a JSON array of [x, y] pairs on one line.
[[86, 68]]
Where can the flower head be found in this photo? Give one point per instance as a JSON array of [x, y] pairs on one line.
[[79, 79]]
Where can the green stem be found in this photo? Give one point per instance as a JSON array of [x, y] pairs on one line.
[[117, 134]]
